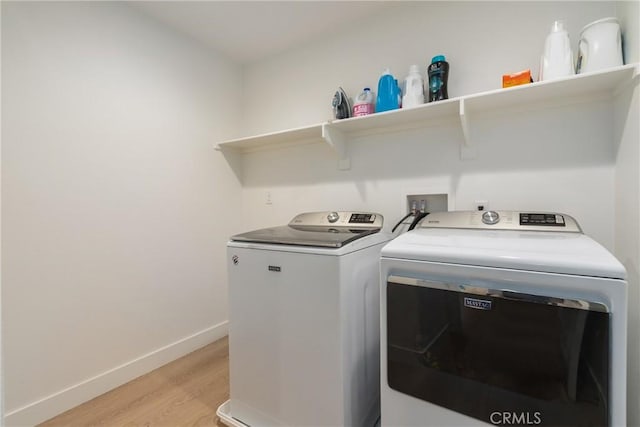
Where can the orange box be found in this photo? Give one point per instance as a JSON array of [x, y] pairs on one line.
[[520, 78]]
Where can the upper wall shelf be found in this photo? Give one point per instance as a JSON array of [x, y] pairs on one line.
[[336, 133], [274, 139]]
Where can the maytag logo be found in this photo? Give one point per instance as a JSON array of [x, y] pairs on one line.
[[479, 304], [274, 268]]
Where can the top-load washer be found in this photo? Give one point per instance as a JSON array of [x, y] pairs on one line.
[[304, 322], [503, 318]]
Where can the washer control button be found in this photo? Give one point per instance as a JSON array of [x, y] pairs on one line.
[[490, 217], [333, 217]]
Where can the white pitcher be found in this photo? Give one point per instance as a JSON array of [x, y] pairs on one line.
[[600, 46]]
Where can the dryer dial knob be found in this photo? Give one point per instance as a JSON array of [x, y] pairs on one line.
[[333, 217], [490, 217]]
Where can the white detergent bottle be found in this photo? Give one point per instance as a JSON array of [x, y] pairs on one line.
[[557, 59], [413, 88]]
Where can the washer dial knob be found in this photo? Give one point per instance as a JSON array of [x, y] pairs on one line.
[[333, 217], [490, 217]]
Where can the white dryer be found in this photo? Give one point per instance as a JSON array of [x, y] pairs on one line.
[[304, 322], [502, 318]]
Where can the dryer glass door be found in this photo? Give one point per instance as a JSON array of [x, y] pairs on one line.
[[501, 357]]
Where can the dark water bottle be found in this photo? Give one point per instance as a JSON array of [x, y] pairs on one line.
[[438, 72]]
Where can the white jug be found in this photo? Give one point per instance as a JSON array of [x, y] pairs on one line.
[[557, 59], [600, 46]]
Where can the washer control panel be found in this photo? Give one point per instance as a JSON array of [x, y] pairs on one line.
[[362, 218], [336, 219], [502, 220]]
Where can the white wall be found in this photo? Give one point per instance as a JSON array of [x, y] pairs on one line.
[[628, 13], [627, 236], [1, 351], [556, 162], [627, 233], [115, 207]]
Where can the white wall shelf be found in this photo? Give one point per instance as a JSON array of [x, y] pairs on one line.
[[274, 139], [463, 110]]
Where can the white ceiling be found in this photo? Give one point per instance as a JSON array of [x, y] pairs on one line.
[[247, 31]]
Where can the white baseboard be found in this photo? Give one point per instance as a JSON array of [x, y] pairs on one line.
[[63, 400]]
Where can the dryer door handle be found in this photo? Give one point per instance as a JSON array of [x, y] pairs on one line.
[[508, 294]]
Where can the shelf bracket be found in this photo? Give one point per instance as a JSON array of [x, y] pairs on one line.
[[467, 150], [337, 140], [465, 124]]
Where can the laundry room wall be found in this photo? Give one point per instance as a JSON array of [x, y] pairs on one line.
[[295, 89], [115, 207], [1, 361], [628, 13], [533, 159], [627, 202], [627, 232], [561, 157]]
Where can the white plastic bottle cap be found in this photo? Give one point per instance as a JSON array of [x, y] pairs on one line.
[[557, 26], [414, 69]]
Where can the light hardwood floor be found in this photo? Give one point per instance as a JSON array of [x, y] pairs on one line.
[[185, 392]]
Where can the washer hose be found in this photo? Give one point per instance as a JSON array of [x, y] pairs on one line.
[[400, 222], [417, 219]]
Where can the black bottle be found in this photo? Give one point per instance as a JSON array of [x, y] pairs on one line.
[[438, 72]]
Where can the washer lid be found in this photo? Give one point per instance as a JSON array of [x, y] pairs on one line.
[[544, 251], [324, 237], [319, 229]]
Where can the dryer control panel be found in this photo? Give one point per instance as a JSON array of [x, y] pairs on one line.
[[542, 219], [503, 220]]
